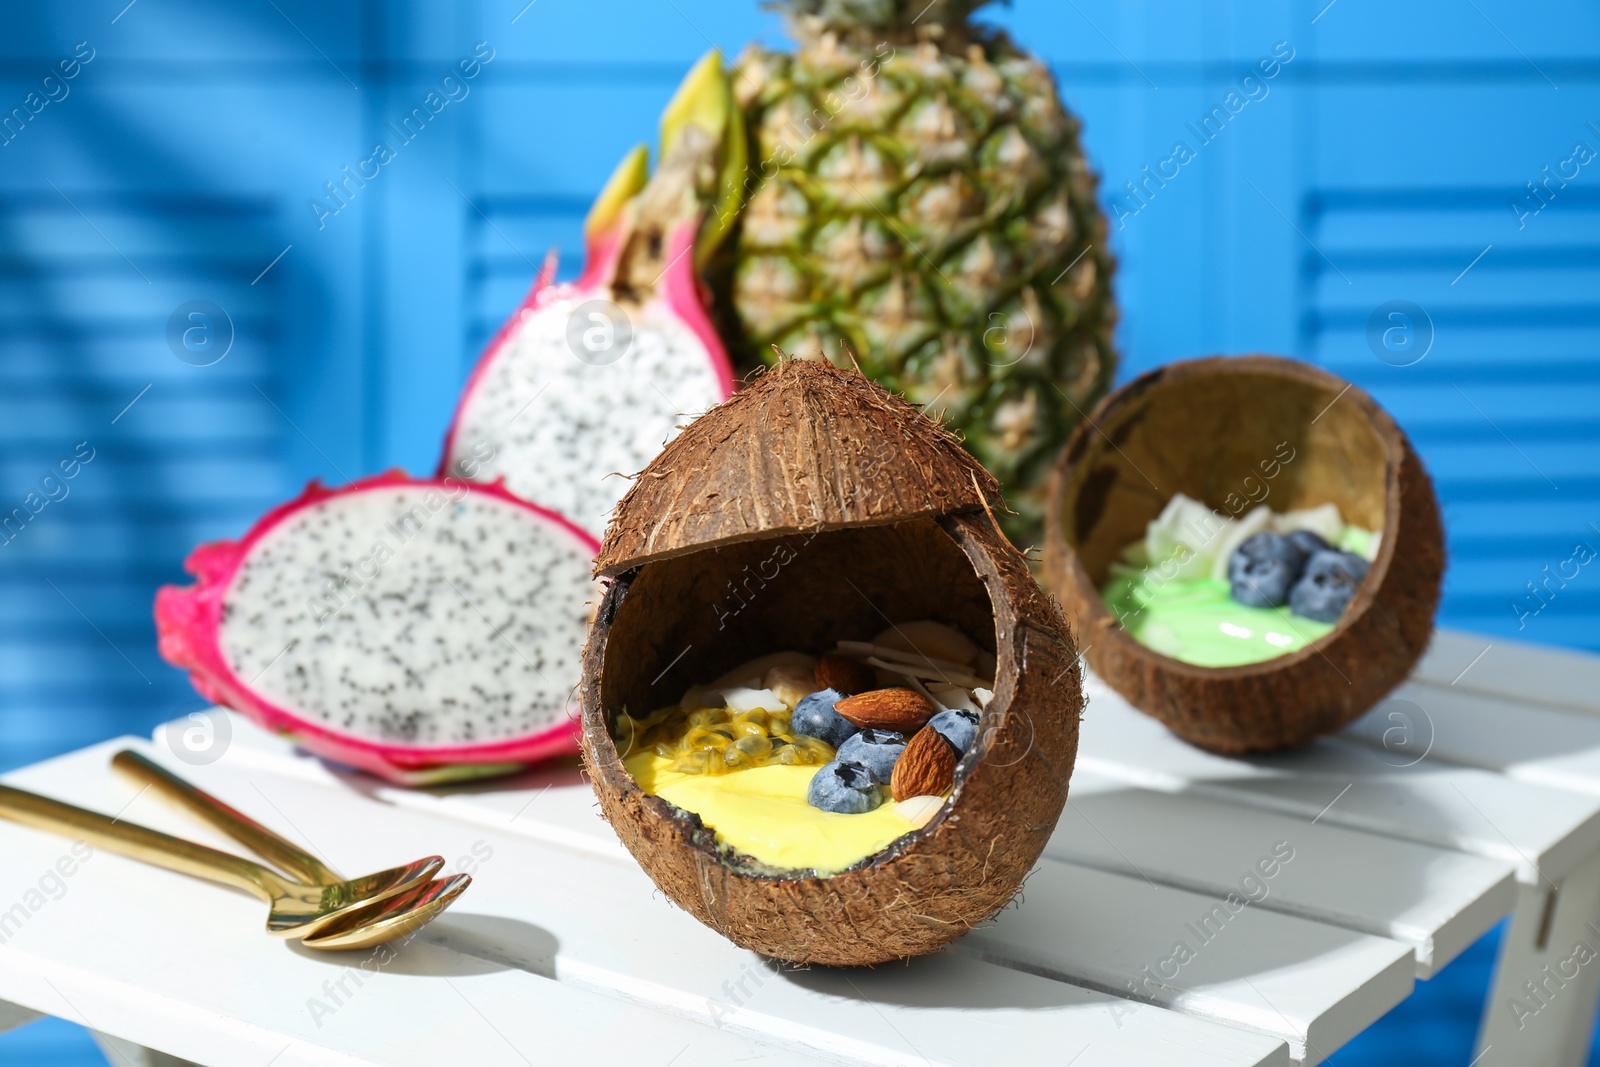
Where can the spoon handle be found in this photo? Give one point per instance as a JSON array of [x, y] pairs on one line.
[[133, 841], [285, 855]]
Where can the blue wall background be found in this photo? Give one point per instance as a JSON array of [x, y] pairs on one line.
[[1390, 160]]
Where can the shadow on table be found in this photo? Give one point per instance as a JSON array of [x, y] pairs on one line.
[[939, 980], [476, 944], [1104, 921], [565, 774]]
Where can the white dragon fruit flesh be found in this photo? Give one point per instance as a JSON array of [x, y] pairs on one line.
[[564, 429], [586, 381], [421, 630]]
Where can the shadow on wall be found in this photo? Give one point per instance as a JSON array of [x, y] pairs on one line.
[[148, 386]]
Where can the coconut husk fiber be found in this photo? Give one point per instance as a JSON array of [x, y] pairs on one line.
[[1213, 429], [811, 508], [804, 447]]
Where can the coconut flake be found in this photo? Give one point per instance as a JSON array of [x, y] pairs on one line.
[[919, 687], [1186, 533], [1323, 520], [926, 636], [953, 697], [913, 670], [792, 682], [865, 650], [742, 700], [707, 696], [751, 672], [1246, 528], [919, 811]]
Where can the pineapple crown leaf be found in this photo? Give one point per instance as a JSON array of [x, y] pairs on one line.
[[701, 100], [879, 14], [699, 179], [625, 183], [731, 183], [704, 101]]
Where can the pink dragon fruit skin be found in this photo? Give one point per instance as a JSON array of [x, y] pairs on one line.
[[511, 413], [677, 291], [523, 468], [556, 418], [189, 626]]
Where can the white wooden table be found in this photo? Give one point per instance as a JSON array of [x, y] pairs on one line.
[[1474, 793]]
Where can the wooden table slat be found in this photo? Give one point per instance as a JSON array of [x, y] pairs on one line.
[[1548, 746], [1523, 672], [1316, 986], [1545, 833], [621, 958], [1435, 900], [1397, 863], [1348, 979]]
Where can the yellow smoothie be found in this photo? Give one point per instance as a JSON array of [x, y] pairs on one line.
[[762, 812]]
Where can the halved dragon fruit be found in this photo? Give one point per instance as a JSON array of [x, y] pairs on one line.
[[587, 381], [424, 631]]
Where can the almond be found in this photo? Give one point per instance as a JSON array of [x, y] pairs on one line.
[[904, 711], [927, 768], [846, 675]]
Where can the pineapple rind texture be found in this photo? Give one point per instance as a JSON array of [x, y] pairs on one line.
[[919, 201]]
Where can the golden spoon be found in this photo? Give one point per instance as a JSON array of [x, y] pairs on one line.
[[370, 923], [296, 910], [385, 920], [281, 853]]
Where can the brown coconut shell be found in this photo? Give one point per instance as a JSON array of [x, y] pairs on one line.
[[799, 450], [1214, 429], [814, 507]]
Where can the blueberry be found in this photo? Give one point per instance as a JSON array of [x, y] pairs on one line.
[[876, 750], [1268, 545], [1262, 582], [1310, 543], [845, 787], [957, 726], [1328, 585], [814, 716]]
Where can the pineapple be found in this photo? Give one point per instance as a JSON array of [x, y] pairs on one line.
[[917, 200]]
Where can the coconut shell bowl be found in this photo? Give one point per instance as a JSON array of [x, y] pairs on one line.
[[1233, 433], [810, 508]]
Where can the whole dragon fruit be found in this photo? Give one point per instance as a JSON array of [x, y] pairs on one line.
[[589, 380], [424, 631]]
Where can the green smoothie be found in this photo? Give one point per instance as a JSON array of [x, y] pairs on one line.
[[1199, 622]]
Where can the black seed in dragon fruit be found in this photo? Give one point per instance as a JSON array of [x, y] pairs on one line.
[[420, 630], [587, 380]]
